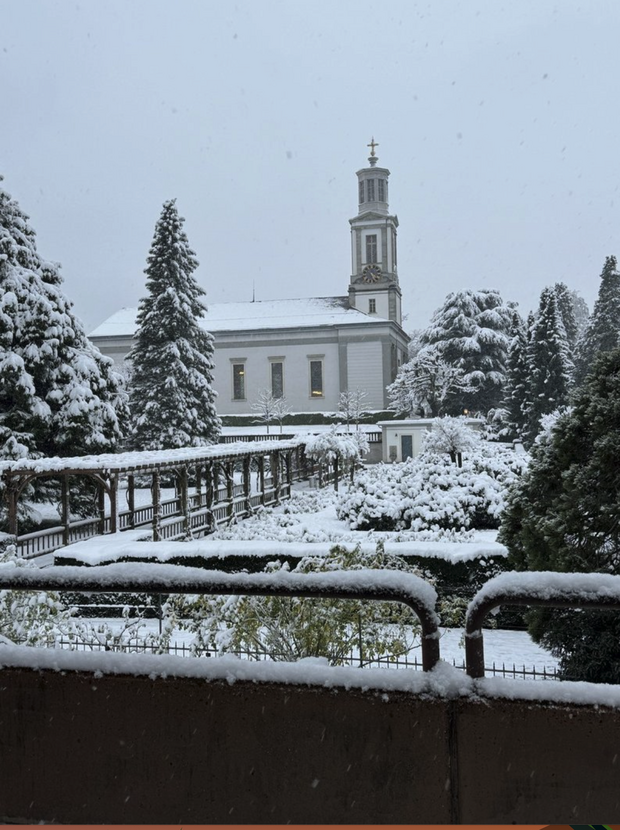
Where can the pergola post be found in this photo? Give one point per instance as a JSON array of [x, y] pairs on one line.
[[156, 491], [230, 489], [11, 493], [101, 506], [247, 484], [209, 494], [288, 461], [65, 516], [114, 503], [131, 499], [274, 462], [183, 488], [261, 478], [198, 474]]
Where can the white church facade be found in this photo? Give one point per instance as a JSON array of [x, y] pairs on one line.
[[308, 350]]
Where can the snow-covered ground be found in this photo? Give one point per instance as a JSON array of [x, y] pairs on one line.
[[310, 521]]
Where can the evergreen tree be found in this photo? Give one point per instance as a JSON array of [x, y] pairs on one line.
[[424, 384], [516, 390], [472, 333], [566, 306], [602, 332], [171, 396], [563, 516], [58, 394], [549, 363]]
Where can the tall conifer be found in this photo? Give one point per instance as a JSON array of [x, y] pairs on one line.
[[58, 394], [515, 401], [472, 332], [549, 363], [171, 391], [602, 333]]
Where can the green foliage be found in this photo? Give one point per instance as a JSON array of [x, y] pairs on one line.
[[601, 333], [294, 628], [549, 364], [563, 516], [516, 391]]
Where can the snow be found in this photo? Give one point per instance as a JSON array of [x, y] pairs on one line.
[[114, 462], [131, 544], [178, 579], [549, 585], [272, 314], [443, 681]]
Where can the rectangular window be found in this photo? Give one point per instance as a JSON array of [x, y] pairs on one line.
[[361, 192], [238, 370], [370, 185], [371, 247], [277, 379], [316, 378], [372, 306], [381, 185]]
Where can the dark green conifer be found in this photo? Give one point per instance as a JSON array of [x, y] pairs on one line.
[[171, 394]]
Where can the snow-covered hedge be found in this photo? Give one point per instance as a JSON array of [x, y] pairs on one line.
[[431, 492]]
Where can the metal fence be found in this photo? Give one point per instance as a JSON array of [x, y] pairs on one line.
[[406, 661]]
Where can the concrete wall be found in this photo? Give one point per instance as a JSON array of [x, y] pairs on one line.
[[79, 749]]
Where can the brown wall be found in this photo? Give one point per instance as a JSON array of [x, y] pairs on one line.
[[77, 749]]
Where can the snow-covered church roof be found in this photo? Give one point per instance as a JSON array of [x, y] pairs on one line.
[[264, 314]]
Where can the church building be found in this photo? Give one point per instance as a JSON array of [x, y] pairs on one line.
[[308, 350]]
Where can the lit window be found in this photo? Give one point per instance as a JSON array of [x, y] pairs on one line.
[[372, 306], [371, 190], [277, 379], [381, 187], [316, 378], [371, 247], [361, 192], [238, 381]]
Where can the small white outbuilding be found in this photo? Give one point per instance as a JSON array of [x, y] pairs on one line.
[[403, 439]]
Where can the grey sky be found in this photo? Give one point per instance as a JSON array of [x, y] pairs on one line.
[[498, 121]]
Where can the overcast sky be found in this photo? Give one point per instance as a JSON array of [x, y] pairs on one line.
[[499, 123]]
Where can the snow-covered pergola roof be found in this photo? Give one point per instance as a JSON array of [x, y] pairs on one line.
[[141, 462]]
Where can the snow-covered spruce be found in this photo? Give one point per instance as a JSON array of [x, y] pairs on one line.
[[58, 394], [471, 331], [549, 362], [433, 493], [171, 393], [602, 331]]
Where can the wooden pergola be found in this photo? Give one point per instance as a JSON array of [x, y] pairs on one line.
[[204, 481]]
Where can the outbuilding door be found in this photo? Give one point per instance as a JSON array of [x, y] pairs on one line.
[[406, 447]]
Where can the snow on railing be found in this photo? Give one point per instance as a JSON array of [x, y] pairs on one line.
[[556, 590], [391, 586]]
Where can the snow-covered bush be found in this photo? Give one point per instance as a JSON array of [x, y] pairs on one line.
[[294, 628], [337, 449], [329, 446], [450, 435], [40, 618], [430, 492]]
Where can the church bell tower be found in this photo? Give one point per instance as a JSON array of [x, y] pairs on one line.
[[374, 287]]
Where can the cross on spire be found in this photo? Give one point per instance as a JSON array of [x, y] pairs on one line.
[[373, 157]]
